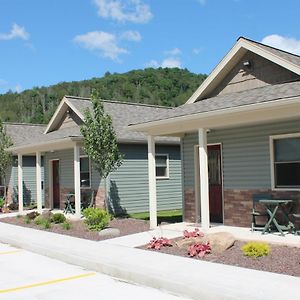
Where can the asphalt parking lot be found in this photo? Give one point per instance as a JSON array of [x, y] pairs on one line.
[[25, 275]]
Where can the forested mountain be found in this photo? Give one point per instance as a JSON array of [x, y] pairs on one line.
[[169, 87]]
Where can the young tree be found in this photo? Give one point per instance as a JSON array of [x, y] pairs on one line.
[[5, 157], [100, 140]]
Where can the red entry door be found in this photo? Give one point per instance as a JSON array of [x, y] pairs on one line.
[[215, 183], [55, 181]]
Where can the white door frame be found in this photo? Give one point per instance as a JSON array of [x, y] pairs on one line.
[[50, 178], [197, 178]]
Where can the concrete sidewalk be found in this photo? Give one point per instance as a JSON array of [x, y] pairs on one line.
[[178, 275]]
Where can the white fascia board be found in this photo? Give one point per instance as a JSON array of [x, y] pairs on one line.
[[77, 112], [242, 43], [55, 115], [45, 146], [144, 127]]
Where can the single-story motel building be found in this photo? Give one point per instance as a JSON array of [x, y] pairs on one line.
[[240, 136], [52, 155]]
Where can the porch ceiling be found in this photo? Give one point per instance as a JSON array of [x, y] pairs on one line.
[[231, 117]]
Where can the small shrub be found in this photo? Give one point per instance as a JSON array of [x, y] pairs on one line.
[[199, 249], [2, 202], [39, 220], [27, 220], [157, 243], [32, 215], [46, 224], [192, 234], [58, 218], [256, 249], [66, 225], [96, 218], [19, 216]]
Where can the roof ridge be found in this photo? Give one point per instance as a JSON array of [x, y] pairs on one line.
[[259, 43], [121, 102], [20, 123]]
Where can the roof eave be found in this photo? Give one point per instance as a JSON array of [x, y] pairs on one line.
[[210, 116]]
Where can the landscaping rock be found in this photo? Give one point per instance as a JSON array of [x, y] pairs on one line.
[[220, 241], [185, 243], [112, 232], [47, 214]]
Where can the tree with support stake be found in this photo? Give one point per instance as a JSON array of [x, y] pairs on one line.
[[100, 140]]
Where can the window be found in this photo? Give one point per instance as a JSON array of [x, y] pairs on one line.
[[85, 172], [162, 165], [286, 161]]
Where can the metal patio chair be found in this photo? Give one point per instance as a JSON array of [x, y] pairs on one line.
[[258, 212]]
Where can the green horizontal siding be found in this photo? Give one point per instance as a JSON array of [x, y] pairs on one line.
[[128, 188], [29, 179], [246, 154]]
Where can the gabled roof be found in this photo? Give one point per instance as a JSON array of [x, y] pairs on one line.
[[285, 59], [122, 114]]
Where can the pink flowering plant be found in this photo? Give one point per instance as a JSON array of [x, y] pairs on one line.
[[158, 243]]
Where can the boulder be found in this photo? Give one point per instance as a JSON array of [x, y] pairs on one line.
[[47, 214], [186, 242], [220, 241], [109, 232]]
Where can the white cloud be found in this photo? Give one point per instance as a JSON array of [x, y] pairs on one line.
[[131, 35], [124, 10], [15, 33], [101, 42], [18, 88], [174, 51], [170, 62], [202, 2], [197, 51], [284, 43], [152, 64]]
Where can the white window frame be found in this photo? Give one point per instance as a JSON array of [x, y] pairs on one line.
[[168, 166], [272, 160], [90, 173]]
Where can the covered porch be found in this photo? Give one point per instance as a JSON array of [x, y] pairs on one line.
[[39, 150], [250, 128]]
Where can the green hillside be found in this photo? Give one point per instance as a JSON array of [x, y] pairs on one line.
[[168, 87]]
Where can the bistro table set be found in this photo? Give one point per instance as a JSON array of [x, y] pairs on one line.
[[278, 215]]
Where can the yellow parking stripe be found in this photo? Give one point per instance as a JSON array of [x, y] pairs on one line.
[[10, 252], [45, 283]]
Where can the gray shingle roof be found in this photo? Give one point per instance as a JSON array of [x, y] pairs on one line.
[[122, 115], [22, 133], [257, 95], [293, 58]]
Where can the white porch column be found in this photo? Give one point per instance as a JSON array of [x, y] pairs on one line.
[[204, 187], [38, 182], [152, 182], [20, 182], [77, 181]]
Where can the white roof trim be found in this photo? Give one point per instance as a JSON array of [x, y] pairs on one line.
[[58, 113], [146, 127], [239, 46]]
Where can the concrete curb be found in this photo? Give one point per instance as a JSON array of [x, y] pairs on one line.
[[177, 275]]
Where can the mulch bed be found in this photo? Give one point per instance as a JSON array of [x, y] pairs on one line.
[[282, 259], [79, 229]]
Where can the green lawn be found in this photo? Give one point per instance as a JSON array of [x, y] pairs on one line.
[[169, 216]]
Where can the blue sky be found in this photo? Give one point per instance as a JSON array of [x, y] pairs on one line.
[[46, 42]]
